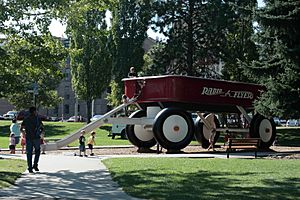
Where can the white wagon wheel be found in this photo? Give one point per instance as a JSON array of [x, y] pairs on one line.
[[173, 128], [137, 135], [263, 128]]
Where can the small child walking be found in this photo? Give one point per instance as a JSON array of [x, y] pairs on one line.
[[23, 142], [91, 142], [12, 143], [82, 143]]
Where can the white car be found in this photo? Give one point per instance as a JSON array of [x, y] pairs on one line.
[[277, 121], [9, 116], [292, 122], [95, 117], [15, 113], [79, 119]]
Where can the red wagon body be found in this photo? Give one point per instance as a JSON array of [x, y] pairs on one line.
[[193, 93]]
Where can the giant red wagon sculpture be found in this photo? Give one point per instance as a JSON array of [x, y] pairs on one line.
[[169, 101], [165, 106]]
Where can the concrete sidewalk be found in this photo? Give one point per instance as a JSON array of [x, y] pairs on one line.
[[65, 177]]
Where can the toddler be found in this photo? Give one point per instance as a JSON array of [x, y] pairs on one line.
[[23, 142], [91, 142], [82, 143], [12, 143]]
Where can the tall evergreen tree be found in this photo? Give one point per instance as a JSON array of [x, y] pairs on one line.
[[90, 56], [129, 28], [278, 66], [156, 62], [239, 46], [196, 32]]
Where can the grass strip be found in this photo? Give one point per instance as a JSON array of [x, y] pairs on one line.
[[10, 170], [58, 130], [194, 178]]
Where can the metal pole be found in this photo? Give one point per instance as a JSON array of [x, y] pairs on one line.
[[62, 110], [76, 109], [93, 107]]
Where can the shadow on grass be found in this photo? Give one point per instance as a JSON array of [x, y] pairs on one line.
[[106, 128], [4, 130], [205, 185], [288, 137], [8, 178], [54, 130], [51, 130]]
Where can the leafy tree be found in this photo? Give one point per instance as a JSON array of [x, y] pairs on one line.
[[29, 53], [129, 28], [114, 94], [32, 60], [90, 56], [278, 67], [27, 16]]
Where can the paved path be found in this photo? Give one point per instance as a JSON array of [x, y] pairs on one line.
[[66, 177]]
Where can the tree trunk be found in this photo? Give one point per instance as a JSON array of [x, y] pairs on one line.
[[88, 110], [190, 41]]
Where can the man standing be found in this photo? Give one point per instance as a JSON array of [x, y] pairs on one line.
[[32, 127]]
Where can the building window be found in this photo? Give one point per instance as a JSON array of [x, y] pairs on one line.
[[67, 96], [66, 109]]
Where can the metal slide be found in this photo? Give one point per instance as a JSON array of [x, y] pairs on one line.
[[88, 128]]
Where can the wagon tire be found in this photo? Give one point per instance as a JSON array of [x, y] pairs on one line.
[[251, 128], [201, 134], [137, 135], [263, 128], [173, 128]]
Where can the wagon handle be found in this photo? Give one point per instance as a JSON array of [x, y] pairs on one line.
[[140, 84], [206, 123]]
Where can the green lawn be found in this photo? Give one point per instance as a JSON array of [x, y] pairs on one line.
[[288, 136], [59, 130], [191, 178], [10, 170], [56, 130]]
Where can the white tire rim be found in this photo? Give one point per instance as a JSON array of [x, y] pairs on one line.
[[265, 130], [207, 133], [142, 134], [175, 128]]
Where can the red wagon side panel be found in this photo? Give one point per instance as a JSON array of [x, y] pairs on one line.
[[194, 91]]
